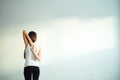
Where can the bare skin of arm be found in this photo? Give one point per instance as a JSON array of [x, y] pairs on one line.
[[25, 42], [37, 55], [27, 37]]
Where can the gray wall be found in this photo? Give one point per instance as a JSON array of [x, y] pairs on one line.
[[79, 38]]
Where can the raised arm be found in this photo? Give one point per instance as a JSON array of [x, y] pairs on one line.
[[27, 37], [25, 40]]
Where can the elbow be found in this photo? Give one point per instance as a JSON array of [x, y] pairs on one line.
[[23, 31]]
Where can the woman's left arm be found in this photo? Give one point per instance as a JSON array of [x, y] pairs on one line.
[[28, 38], [37, 55]]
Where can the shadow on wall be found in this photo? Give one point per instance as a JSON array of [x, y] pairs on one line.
[[101, 65]]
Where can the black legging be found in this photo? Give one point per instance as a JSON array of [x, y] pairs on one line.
[[30, 71]]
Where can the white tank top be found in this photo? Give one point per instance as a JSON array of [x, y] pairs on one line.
[[30, 59]]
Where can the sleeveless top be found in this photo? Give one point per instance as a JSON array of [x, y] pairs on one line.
[[30, 59]]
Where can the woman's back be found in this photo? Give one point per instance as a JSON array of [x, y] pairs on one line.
[[30, 59]]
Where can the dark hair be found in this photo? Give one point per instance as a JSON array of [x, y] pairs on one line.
[[32, 35]]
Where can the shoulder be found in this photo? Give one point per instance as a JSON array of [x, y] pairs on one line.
[[27, 46], [38, 46]]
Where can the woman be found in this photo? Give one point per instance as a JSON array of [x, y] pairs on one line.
[[32, 55]]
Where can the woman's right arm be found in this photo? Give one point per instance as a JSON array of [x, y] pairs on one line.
[[37, 55]]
